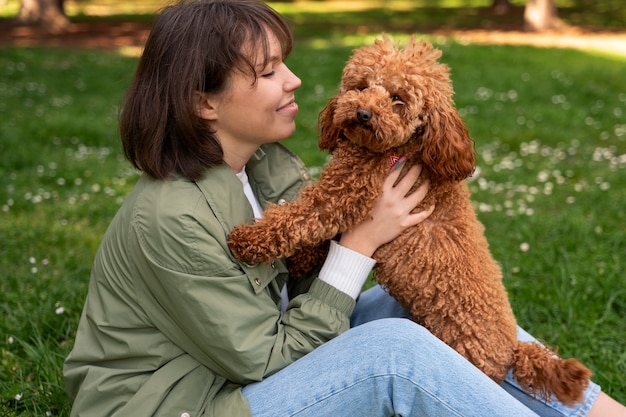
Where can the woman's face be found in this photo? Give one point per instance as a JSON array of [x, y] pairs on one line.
[[249, 114]]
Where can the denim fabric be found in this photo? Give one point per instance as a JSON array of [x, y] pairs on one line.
[[552, 408], [386, 365]]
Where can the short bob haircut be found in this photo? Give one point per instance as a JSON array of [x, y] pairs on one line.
[[194, 46]]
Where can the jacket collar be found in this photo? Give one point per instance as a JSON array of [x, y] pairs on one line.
[[275, 173]]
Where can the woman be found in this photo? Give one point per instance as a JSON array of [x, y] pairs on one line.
[[173, 324]]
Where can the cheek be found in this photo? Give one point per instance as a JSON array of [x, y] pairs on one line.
[[413, 110]]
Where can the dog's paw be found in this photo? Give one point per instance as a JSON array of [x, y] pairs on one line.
[[244, 244]]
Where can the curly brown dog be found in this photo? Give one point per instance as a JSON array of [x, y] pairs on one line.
[[398, 102]]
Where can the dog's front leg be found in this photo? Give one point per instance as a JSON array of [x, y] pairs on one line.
[[343, 196]]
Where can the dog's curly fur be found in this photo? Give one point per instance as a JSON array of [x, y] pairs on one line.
[[398, 102]]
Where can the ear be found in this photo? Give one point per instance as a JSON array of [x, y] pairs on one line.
[[328, 132], [446, 147], [205, 105]]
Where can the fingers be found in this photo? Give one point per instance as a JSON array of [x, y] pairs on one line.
[[404, 185], [409, 202], [411, 176], [418, 195], [417, 218]]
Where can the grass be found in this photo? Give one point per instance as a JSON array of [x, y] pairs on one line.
[[63, 179], [550, 131]]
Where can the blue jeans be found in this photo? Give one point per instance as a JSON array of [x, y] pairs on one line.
[[386, 365]]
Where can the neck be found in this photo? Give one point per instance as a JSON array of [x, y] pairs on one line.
[[237, 160], [235, 167]]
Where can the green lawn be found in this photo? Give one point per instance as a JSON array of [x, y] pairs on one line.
[[550, 131]]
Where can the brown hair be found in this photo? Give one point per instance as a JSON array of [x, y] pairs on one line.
[[193, 46]]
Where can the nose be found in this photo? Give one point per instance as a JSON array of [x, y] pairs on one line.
[[363, 115], [292, 82]]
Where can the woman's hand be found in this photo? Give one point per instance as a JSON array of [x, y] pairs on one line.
[[391, 214]]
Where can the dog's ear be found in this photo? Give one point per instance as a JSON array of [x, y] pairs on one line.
[[446, 146], [328, 132]]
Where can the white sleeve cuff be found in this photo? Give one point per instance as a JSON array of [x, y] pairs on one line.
[[346, 269]]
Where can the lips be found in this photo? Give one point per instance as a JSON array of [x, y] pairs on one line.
[[291, 107], [289, 104]]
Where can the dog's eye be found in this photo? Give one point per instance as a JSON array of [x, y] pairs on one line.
[[362, 87], [396, 98]]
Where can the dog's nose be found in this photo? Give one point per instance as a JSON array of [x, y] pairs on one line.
[[363, 115]]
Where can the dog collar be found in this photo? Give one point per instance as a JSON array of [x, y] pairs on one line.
[[395, 160]]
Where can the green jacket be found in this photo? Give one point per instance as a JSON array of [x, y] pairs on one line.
[[173, 323]]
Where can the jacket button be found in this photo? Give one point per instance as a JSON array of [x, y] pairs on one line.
[[273, 264], [184, 415], [257, 281]]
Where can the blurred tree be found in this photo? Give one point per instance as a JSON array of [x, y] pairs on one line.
[[539, 15], [500, 7], [49, 14]]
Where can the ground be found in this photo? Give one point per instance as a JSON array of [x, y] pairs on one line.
[[114, 35], [96, 35]]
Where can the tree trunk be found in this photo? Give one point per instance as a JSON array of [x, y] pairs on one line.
[[500, 7], [49, 14], [541, 15]]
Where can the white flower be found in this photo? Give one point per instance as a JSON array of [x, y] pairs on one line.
[[524, 247]]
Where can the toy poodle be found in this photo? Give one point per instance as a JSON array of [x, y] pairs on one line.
[[398, 103]]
